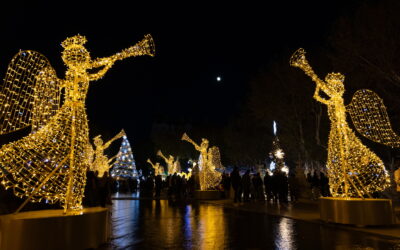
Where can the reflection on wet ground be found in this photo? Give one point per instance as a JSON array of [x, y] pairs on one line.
[[162, 224]]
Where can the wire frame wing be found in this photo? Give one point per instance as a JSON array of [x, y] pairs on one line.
[[370, 118], [30, 94], [216, 158]]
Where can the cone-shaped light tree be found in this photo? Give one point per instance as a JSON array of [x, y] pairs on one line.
[[124, 166]]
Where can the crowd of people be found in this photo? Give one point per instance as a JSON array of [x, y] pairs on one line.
[[275, 186], [98, 190], [173, 186]]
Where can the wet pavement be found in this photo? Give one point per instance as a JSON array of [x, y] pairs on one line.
[[163, 224]]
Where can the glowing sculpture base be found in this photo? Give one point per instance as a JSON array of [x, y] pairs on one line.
[[51, 229], [356, 211], [207, 194]]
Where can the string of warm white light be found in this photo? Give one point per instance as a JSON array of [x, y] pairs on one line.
[[353, 170], [51, 162], [208, 163]]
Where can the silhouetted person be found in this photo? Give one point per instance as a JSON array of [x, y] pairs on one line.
[[268, 186], [275, 185], [236, 182], [105, 190], [89, 200], [324, 185], [246, 182], [258, 187], [293, 187], [191, 186], [226, 184], [158, 183], [282, 181]]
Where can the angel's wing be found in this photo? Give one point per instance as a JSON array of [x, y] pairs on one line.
[[370, 118], [30, 94], [216, 157]]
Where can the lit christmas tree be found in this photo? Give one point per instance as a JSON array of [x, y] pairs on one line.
[[277, 155], [124, 166]]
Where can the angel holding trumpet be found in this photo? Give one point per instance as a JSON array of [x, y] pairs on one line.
[[353, 169], [51, 162], [101, 163], [209, 162]]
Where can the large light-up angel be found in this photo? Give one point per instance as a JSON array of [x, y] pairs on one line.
[[209, 161], [158, 168], [172, 164], [353, 170], [51, 162], [101, 163]]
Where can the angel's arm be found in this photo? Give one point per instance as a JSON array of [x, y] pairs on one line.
[[185, 137], [144, 47], [112, 158], [119, 135], [106, 63], [159, 153], [151, 163], [102, 72], [318, 97]]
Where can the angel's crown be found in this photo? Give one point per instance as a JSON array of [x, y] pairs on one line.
[[334, 77], [77, 40]]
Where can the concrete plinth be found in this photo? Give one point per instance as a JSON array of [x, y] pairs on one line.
[[207, 194], [356, 211], [51, 229]]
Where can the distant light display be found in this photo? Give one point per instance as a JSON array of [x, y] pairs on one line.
[[157, 167], [124, 166], [101, 163], [209, 161], [277, 155], [172, 164]]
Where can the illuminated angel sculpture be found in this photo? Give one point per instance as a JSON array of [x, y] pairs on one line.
[[353, 170], [173, 166], [50, 163], [209, 161], [101, 163], [158, 169]]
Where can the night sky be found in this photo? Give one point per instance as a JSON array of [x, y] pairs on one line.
[[195, 43]]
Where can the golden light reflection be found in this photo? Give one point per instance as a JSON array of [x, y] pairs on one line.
[[212, 231], [284, 236]]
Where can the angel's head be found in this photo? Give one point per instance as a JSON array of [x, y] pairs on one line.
[[335, 82], [204, 142], [75, 54], [98, 142], [171, 158]]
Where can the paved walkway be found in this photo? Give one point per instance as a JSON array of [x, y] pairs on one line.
[[306, 211]]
